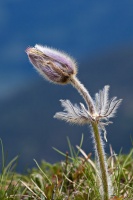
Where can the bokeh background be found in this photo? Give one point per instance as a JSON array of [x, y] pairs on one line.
[[99, 34]]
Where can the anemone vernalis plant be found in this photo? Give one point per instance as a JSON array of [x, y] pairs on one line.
[[60, 68]]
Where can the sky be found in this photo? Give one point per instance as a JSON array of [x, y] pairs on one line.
[[85, 30]]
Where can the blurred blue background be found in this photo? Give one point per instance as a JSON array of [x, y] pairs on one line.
[[99, 34]]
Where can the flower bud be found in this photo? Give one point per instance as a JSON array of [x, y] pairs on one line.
[[55, 66]]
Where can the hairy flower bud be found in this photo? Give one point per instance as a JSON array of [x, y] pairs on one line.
[[55, 66]]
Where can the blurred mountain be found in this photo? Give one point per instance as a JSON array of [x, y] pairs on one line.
[[27, 117]]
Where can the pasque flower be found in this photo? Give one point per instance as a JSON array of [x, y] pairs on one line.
[[58, 67], [55, 66]]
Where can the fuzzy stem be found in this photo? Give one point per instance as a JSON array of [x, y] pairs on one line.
[[84, 93], [101, 161], [98, 141]]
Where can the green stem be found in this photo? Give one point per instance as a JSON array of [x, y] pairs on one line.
[[98, 140], [84, 93], [101, 160]]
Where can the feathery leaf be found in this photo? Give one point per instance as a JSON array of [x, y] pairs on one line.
[[73, 113]]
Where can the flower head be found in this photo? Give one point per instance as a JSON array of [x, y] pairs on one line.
[[54, 65]]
